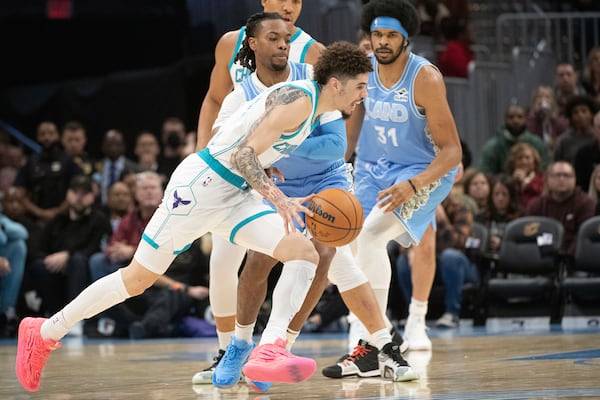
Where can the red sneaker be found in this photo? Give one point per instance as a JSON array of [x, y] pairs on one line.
[[32, 353], [273, 363]]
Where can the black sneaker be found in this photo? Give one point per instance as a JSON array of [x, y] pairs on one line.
[[362, 362], [204, 377], [393, 367], [397, 339]]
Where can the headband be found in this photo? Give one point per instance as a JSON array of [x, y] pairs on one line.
[[390, 23]]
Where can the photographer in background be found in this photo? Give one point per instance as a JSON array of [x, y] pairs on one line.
[[173, 143]]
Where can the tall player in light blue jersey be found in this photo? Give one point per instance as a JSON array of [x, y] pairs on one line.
[[227, 73], [314, 166], [209, 192], [408, 153]]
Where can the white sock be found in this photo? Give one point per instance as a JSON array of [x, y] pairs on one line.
[[417, 309], [99, 296], [291, 338], [288, 296], [224, 338], [380, 338], [244, 332]]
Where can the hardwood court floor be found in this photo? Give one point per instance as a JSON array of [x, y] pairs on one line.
[[504, 360]]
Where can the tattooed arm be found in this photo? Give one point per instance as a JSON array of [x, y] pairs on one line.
[[286, 109]]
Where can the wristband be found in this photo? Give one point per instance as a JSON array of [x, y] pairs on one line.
[[412, 186]]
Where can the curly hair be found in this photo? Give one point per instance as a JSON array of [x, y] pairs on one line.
[[402, 10], [343, 60], [246, 55], [576, 101], [516, 151]]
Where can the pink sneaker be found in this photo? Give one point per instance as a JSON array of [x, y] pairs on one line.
[[32, 353], [273, 363]]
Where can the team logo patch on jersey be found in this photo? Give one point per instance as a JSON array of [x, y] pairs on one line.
[[401, 95], [182, 200]]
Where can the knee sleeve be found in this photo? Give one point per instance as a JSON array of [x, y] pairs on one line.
[[344, 272]]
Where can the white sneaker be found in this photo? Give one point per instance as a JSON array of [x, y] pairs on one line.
[[415, 334], [448, 320]]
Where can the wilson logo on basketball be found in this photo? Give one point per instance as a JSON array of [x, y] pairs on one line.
[[316, 208]]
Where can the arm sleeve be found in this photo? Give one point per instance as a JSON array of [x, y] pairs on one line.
[[327, 142]]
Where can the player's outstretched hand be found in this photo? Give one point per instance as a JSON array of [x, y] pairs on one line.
[[394, 196], [290, 210]]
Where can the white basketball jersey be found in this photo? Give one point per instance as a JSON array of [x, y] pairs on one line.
[[239, 125]]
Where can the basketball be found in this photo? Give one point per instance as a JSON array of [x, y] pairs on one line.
[[338, 217]]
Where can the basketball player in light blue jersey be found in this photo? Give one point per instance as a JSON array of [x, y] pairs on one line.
[[408, 153], [226, 73], [209, 192], [317, 164]]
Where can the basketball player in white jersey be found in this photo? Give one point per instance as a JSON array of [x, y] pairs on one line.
[[316, 165], [227, 74], [410, 133], [209, 192]]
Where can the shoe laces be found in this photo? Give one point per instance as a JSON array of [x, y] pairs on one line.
[[40, 352], [359, 352], [271, 352]]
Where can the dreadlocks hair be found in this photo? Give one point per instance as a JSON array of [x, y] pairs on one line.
[[246, 55], [342, 60], [402, 10]]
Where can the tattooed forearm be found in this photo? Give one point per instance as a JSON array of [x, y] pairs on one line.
[[282, 96], [246, 162]]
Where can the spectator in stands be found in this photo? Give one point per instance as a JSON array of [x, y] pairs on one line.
[[13, 250], [503, 207], [46, 175], [524, 167], [594, 188], [454, 59], [567, 86], [173, 141], [13, 206], [147, 151], [514, 130], [591, 74], [60, 270], [431, 14], [123, 242], [74, 139], [588, 156], [580, 111], [477, 186], [120, 202], [543, 118], [454, 223], [564, 201], [114, 161]]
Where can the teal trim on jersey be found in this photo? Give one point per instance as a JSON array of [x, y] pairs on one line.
[[187, 246], [241, 36], [296, 35], [150, 241], [223, 172], [312, 113], [246, 221], [305, 50]]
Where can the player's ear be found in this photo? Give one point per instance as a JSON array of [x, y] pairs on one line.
[[335, 83], [252, 43]]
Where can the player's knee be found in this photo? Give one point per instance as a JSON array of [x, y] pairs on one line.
[[137, 279], [326, 253], [295, 246]]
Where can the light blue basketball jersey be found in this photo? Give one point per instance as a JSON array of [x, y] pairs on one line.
[[393, 126], [299, 45]]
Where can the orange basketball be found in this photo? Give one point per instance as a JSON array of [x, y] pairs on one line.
[[338, 217]]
